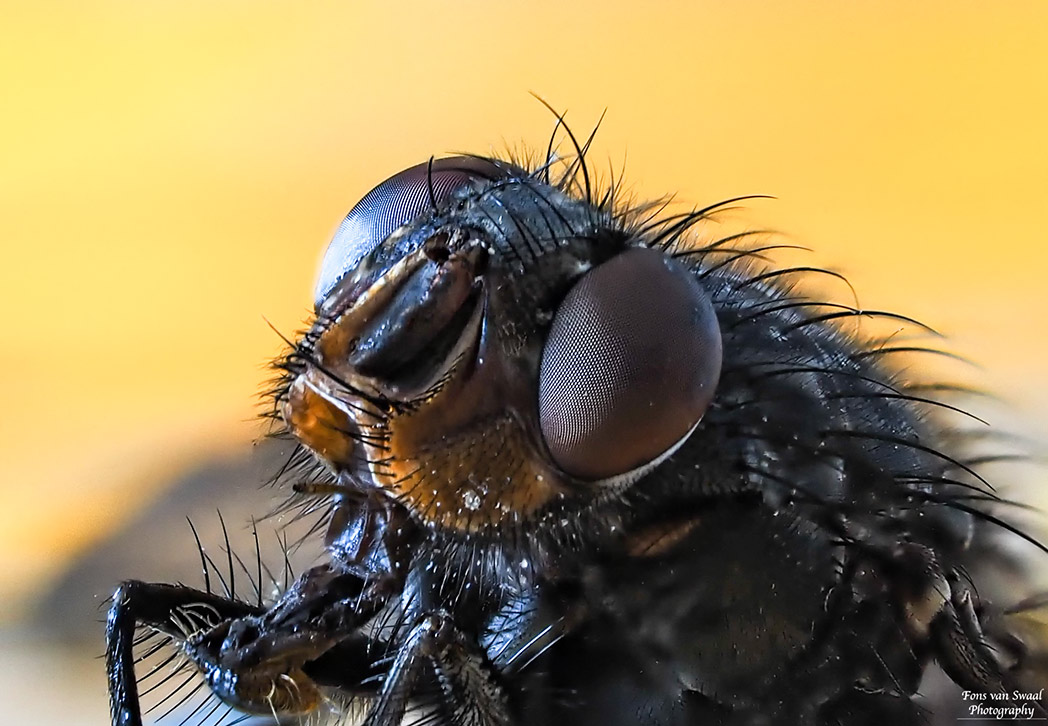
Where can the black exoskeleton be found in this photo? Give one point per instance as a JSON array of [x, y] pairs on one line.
[[585, 468]]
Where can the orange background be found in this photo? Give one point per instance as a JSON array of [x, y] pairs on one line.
[[170, 172]]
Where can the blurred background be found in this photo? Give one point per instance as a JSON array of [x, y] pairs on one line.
[[171, 171]]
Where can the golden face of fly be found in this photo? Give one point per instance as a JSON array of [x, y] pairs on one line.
[[478, 357]]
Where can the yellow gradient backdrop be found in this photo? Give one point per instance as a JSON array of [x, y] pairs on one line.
[[170, 171]]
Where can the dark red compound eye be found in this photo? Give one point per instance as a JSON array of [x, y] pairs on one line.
[[396, 202], [630, 365]]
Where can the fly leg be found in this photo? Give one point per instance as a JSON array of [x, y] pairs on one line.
[[937, 610], [941, 613], [261, 663], [960, 645], [161, 607], [470, 692], [257, 660]]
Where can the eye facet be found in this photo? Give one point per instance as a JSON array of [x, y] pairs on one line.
[[630, 365], [396, 202]]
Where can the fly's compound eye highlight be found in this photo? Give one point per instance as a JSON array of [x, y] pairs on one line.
[[636, 339], [393, 203]]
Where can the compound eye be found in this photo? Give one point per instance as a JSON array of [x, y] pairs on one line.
[[396, 202], [630, 366]]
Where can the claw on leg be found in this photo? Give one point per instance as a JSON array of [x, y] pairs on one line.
[[258, 660], [163, 608]]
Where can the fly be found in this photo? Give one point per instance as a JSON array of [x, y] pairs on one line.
[[582, 468]]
